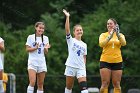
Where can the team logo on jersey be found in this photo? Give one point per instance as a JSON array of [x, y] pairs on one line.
[[41, 45], [73, 48], [78, 49]]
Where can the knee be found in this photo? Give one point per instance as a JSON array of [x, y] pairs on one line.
[[32, 83], [69, 85], [105, 84], [83, 85], [40, 85], [116, 84]]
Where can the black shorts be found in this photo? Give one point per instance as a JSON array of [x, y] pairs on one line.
[[111, 66]]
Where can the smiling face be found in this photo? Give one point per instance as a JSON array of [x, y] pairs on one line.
[[39, 27], [111, 24], [78, 31]]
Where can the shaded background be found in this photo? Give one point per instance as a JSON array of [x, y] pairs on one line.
[[17, 19]]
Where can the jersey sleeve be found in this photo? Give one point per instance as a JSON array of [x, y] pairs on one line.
[[46, 41], [28, 42], [85, 49], [102, 40], [122, 39], [69, 39]]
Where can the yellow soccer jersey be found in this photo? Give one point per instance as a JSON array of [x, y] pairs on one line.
[[5, 80], [111, 50]]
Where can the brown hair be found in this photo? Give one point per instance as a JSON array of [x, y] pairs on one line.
[[39, 23], [115, 22], [36, 25]]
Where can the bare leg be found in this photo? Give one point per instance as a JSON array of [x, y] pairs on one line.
[[69, 84], [105, 79], [32, 80], [116, 79], [83, 84], [40, 80]]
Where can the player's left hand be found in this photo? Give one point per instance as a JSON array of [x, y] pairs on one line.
[[117, 31], [47, 46]]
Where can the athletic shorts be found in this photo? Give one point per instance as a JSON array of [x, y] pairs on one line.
[[38, 66], [70, 71], [111, 66]]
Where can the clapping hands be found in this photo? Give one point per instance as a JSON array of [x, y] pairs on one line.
[[117, 31]]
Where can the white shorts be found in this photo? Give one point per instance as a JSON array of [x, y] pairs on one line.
[[1, 65], [38, 66], [70, 71]]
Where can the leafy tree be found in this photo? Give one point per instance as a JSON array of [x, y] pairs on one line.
[[126, 12]]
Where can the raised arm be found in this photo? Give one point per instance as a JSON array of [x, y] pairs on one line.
[[67, 24], [104, 40]]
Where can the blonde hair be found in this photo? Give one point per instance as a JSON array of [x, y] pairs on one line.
[[76, 27]]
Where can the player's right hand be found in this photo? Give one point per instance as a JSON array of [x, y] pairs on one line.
[[37, 45], [110, 35], [66, 13]]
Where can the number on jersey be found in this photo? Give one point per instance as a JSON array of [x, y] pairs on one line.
[[78, 52]]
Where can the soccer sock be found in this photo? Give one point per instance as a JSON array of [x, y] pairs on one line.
[[39, 91], [68, 91], [104, 90], [117, 90], [1, 86], [30, 89], [84, 91]]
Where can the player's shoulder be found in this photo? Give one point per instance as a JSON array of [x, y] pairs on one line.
[[121, 34], [45, 37], [84, 43], [32, 35], [104, 34]]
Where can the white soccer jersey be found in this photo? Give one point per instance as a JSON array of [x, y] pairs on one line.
[[1, 55], [76, 49], [39, 53]]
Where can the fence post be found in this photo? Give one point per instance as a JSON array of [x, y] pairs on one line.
[[12, 80], [93, 90]]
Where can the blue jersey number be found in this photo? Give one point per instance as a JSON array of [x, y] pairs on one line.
[[39, 50], [78, 52]]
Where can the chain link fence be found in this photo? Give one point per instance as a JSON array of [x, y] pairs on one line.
[[56, 84]]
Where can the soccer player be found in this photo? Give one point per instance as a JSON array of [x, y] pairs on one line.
[[76, 61], [2, 49], [111, 58], [36, 45]]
